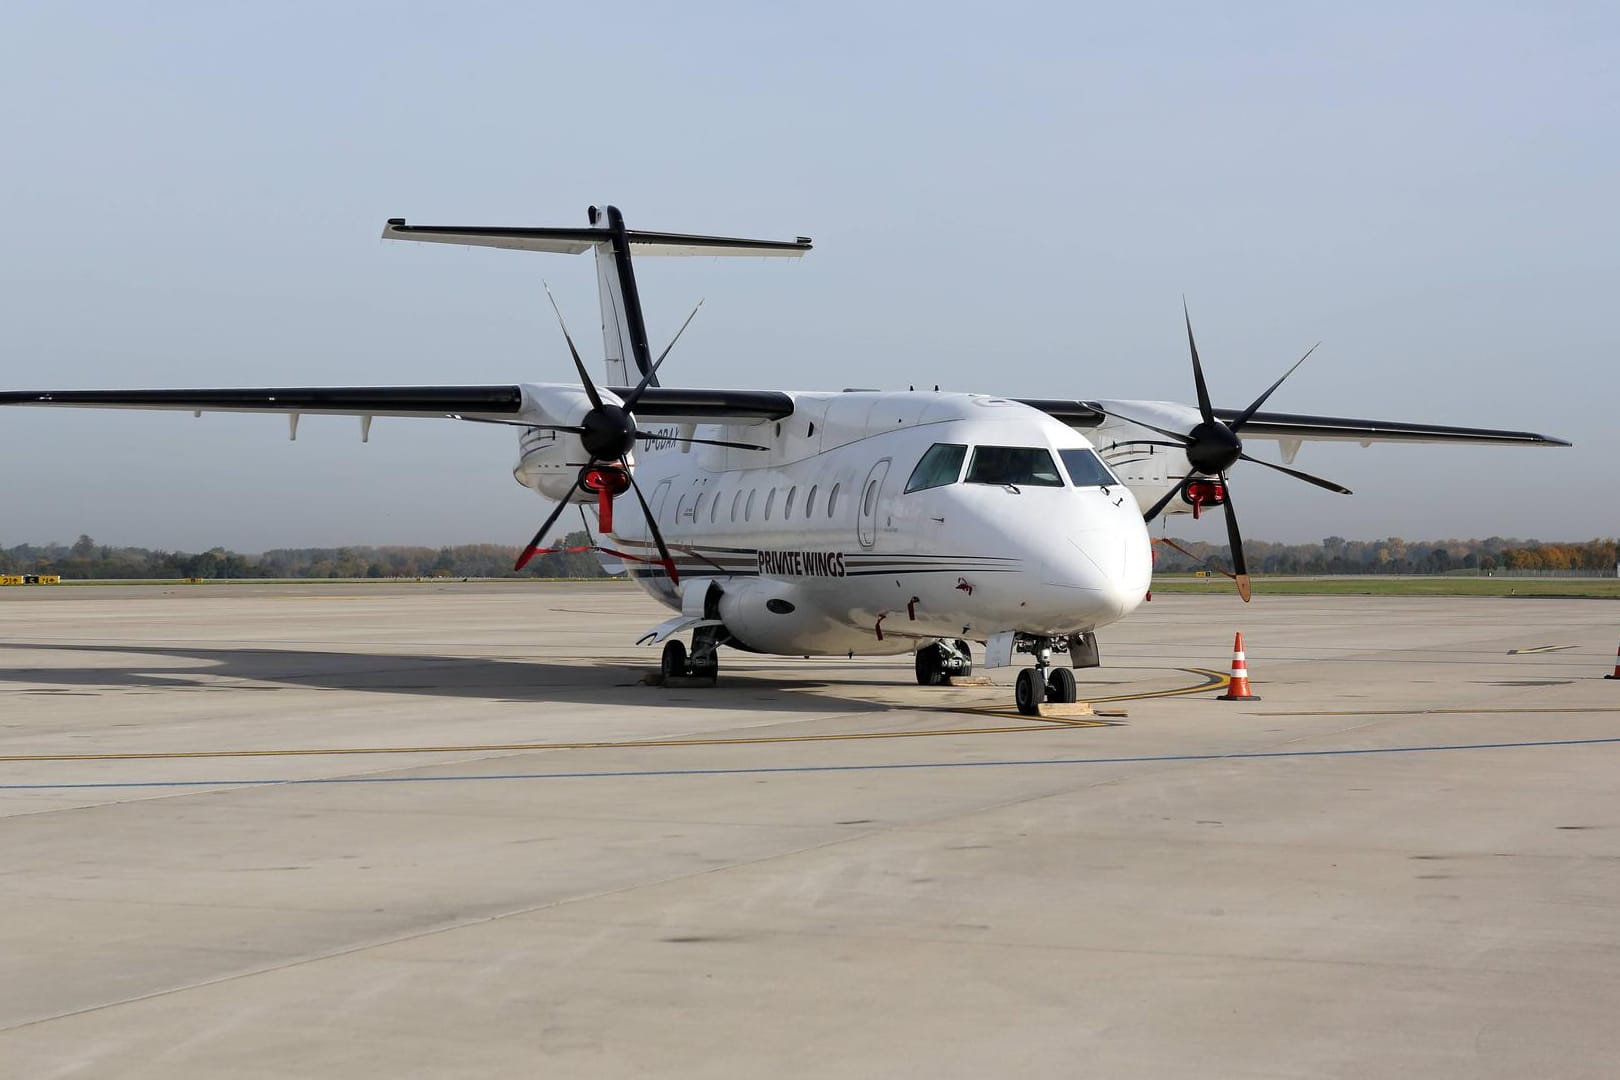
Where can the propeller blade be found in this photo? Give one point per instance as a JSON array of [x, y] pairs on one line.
[[700, 442], [652, 527], [696, 554], [1237, 424], [534, 545], [635, 395], [1204, 408], [579, 365], [1297, 475], [1184, 439], [1153, 511], [1240, 565]]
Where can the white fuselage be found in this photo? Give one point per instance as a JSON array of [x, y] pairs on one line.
[[816, 547]]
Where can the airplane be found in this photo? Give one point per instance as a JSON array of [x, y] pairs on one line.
[[860, 522]]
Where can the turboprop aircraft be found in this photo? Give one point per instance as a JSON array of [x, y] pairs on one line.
[[816, 523]]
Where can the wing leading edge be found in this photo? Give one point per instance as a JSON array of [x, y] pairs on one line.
[[477, 402], [1291, 427]]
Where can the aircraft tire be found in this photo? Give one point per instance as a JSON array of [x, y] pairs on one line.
[[673, 662], [966, 649], [930, 666], [1060, 687], [1028, 691]]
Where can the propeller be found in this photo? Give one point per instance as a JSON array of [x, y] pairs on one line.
[[1213, 447], [609, 432]]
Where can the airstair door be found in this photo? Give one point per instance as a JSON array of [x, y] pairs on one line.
[[871, 495]]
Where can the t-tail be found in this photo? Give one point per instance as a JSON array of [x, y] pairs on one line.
[[624, 330]]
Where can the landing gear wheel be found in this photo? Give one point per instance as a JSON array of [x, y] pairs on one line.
[[930, 666], [963, 647], [705, 667], [1060, 688], [674, 659], [1028, 691]]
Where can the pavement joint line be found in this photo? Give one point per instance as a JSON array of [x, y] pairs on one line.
[[1249, 755], [1214, 680], [1445, 712], [628, 744]]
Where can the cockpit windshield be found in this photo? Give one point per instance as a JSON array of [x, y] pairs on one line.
[[1086, 469], [1016, 465], [940, 466]]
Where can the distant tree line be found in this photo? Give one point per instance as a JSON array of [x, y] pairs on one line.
[[1336, 555], [86, 559]]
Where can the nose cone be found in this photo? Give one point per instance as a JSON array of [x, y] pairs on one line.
[[1104, 572]]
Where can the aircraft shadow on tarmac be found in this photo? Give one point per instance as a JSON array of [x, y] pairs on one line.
[[488, 679]]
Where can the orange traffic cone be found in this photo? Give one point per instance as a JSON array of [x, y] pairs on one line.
[[1616, 674], [1239, 688]]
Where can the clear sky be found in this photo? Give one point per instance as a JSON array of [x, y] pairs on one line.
[[1004, 198]]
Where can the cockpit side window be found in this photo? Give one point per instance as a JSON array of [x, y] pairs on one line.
[[940, 466], [1017, 465], [1086, 469]]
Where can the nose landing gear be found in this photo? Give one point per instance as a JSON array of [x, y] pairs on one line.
[[1035, 685]]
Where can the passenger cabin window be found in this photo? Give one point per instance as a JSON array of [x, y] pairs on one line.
[[941, 465], [1086, 469], [810, 502], [832, 501], [770, 501], [787, 507], [1020, 466]]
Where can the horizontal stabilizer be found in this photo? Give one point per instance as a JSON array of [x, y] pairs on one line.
[[570, 241]]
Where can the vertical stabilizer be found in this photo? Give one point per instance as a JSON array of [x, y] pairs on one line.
[[624, 331]]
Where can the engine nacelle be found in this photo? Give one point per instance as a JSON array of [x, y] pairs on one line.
[[549, 462]]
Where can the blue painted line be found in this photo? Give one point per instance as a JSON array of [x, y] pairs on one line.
[[1259, 755]]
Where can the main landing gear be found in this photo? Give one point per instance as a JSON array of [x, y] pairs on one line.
[[703, 662], [941, 660]]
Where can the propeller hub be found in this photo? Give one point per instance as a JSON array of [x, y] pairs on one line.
[[1214, 448], [609, 433]]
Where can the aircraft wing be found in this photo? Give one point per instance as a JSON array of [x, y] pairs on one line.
[[497, 403], [1294, 427]]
